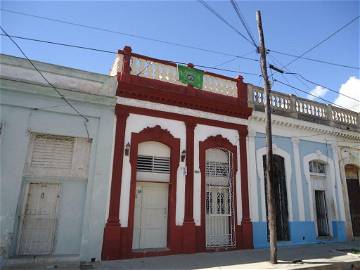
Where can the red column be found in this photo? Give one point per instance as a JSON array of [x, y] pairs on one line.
[[111, 239], [246, 225], [189, 235]]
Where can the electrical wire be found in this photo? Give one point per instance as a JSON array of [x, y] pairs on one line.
[[221, 18], [243, 22], [322, 41], [313, 59], [126, 34], [323, 99], [113, 52], [48, 82], [170, 42]]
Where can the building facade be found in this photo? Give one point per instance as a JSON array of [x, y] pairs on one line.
[[189, 165], [316, 161], [180, 182], [55, 167]]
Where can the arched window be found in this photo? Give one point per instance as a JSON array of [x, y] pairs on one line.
[[317, 167]]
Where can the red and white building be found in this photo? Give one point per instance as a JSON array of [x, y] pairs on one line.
[[180, 173]]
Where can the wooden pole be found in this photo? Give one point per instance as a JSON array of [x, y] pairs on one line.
[[269, 179]]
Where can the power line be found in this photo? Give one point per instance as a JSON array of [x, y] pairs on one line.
[[323, 99], [313, 59], [126, 34], [242, 19], [295, 74], [113, 52], [326, 87], [48, 82], [214, 12], [172, 43], [322, 41]]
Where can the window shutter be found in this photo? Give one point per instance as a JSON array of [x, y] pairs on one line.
[[52, 152]]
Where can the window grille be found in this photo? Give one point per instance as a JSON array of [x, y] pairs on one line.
[[217, 169], [153, 164], [219, 208], [317, 167]]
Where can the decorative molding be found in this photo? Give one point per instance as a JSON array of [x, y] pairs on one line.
[[217, 141], [288, 175], [179, 110], [317, 155]]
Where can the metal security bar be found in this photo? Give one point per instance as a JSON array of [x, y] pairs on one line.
[[220, 221]]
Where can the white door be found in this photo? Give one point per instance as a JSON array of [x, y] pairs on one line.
[[39, 219], [151, 215]]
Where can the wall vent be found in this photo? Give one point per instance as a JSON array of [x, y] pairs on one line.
[[153, 164]]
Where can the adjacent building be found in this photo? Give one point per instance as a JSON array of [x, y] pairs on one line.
[[55, 165]]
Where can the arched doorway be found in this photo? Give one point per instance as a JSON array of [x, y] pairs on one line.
[[151, 196], [280, 194], [353, 187], [219, 199]]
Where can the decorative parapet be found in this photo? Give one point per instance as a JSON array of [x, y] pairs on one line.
[[304, 109], [166, 71]]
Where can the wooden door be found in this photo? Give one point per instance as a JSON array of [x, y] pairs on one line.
[[322, 219], [151, 215], [353, 187], [280, 194], [39, 219]]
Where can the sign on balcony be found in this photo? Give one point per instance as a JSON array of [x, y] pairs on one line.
[[191, 76]]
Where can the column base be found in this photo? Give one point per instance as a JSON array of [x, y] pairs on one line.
[[247, 234], [111, 242], [189, 237]]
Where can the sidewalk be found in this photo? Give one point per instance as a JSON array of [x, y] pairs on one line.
[[317, 256]]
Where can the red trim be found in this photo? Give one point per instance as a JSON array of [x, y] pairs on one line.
[[112, 235], [174, 234], [246, 225], [213, 142], [179, 117], [142, 88], [189, 235]]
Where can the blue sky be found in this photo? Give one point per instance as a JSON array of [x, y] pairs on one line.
[[290, 26]]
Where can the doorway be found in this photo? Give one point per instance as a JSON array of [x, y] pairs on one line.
[[219, 209], [280, 195], [151, 215], [321, 213], [353, 187], [38, 221]]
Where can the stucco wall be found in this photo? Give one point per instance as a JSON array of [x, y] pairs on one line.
[[31, 107]]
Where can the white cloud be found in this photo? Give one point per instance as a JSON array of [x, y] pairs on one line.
[[318, 91], [350, 88]]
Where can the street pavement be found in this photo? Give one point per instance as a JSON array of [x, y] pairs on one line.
[[316, 256]]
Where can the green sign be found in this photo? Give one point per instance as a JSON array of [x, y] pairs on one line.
[[191, 76]]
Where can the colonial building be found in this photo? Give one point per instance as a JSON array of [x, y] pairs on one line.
[[316, 165], [188, 171], [55, 167], [180, 179]]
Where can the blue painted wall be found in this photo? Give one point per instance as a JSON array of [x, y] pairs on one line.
[[301, 232]]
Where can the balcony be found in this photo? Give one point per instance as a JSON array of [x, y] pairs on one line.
[[304, 109], [156, 80]]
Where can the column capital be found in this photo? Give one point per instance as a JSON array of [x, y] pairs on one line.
[[243, 131], [295, 140], [190, 124], [121, 113]]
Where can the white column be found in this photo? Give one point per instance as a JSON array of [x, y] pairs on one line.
[[299, 187], [252, 177], [337, 184]]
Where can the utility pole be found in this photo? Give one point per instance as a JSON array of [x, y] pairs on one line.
[[269, 168]]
